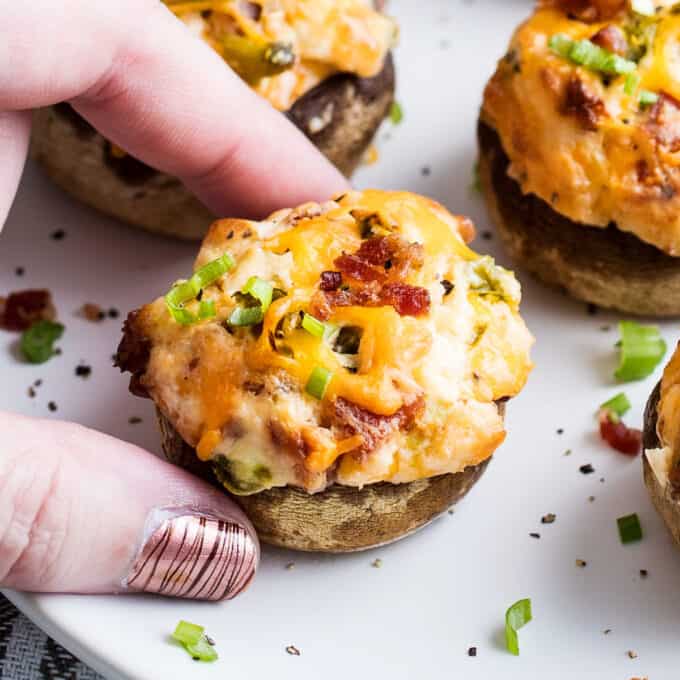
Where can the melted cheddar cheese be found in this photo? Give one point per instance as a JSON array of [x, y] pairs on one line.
[[326, 37], [238, 394], [623, 165]]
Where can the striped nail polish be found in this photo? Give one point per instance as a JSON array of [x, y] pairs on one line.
[[193, 555]]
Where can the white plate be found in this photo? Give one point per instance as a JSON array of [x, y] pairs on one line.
[[446, 588]]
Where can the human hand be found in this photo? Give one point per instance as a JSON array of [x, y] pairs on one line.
[[80, 511]]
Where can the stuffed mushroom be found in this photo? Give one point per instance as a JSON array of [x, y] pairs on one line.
[[340, 368], [325, 64], [579, 139]]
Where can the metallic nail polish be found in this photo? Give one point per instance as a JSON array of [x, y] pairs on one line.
[[193, 554]]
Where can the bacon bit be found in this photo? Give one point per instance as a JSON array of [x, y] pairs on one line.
[[407, 300], [611, 38], [358, 269], [354, 420], [664, 122], [590, 10], [133, 354], [620, 437], [642, 170], [330, 281], [22, 309], [92, 312], [583, 104]]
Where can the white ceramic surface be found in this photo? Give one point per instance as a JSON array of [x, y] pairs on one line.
[[446, 588]]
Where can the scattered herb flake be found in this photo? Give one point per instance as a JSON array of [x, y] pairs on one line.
[[377, 563], [630, 529], [517, 615], [396, 113], [37, 342], [641, 349], [567, 452]]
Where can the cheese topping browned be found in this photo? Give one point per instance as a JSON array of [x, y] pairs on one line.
[[422, 338], [600, 147]]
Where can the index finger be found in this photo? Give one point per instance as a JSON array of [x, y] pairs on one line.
[[138, 75]]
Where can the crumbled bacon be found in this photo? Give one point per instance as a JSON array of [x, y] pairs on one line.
[[330, 281], [22, 309], [619, 436], [376, 273], [351, 419], [583, 104], [590, 10], [611, 38], [133, 354], [664, 122]]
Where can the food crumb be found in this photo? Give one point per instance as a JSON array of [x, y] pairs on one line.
[[567, 452], [134, 420], [290, 566], [587, 469], [113, 313], [37, 383], [560, 430], [92, 312], [581, 563], [293, 650], [58, 235], [591, 499], [533, 534], [52, 406], [210, 640], [426, 171], [644, 573], [487, 235], [451, 511], [31, 392], [472, 651], [377, 563], [83, 371], [605, 328], [632, 654], [549, 518], [606, 631], [19, 271]]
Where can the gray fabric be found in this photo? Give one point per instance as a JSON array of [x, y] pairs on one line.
[[26, 653]]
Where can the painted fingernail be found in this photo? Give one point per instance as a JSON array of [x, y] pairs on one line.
[[194, 555]]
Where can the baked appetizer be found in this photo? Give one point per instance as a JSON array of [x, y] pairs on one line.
[[325, 63], [661, 441], [341, 368], [580, 151]]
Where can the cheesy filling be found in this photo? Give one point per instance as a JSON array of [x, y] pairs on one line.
[[238, 395], [601, 148], [313, 39]]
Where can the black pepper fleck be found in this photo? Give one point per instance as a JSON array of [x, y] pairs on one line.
[[560, 430], [52, 406], [83, 371], [587, 469], [533, 534], [426, 171], [472, 651], [113, 313], [447, 286], [58, 235], [134, 420], [644, 573], [592, 309], [19, 271]]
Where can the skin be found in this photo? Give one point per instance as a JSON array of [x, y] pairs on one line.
[[135, 73]]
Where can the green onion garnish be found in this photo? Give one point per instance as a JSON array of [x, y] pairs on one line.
[[396, 113], [517, 616], [641, 348], [202, 650], [192, 638], [188, 633], [206, 309], [37, 341], [245, 316], [629, 528], [632, 83], [313, 326], [261, 290], [592, 56], [617, 405], [318, 382], [184, 292], [648, 98]]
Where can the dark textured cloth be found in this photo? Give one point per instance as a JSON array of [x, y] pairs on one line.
[[27, 653]]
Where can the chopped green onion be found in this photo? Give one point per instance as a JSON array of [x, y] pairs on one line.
[[206, 309], [632, 83], [212, 271], [313, 326], [396, 113], [202, 650], [641, 349], [592, 56], [188, 633], [261, 290], [648, 98], [245, 316], [561, 44], [184, 292], [37, 341], [617, 405], [517, 616], [318, 382], [644, 7], [629, 528]]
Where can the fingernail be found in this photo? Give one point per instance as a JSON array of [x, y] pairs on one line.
[[193, 554]]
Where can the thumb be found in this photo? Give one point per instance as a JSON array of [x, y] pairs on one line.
[[81, 512]]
